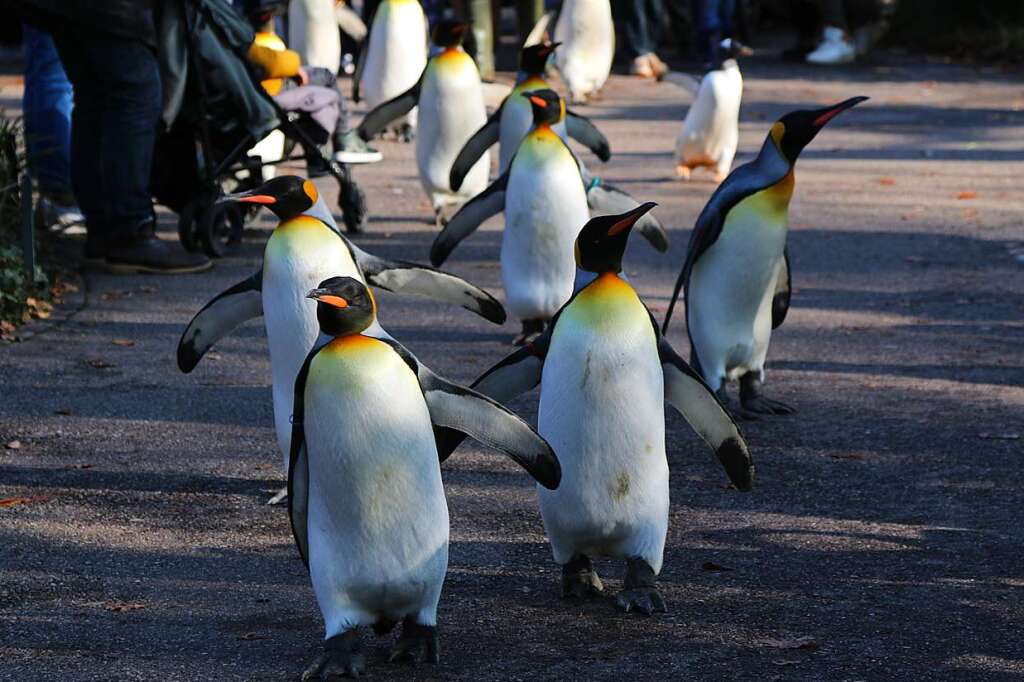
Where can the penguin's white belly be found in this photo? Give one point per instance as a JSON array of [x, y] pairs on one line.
[[451, 110], [711, 129], [602, 411], [545, 208], [378, 519], [587, 35], [298, 256], [730, 295], [397, 53]]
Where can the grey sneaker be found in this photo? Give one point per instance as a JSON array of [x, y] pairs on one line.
[[351, 149]]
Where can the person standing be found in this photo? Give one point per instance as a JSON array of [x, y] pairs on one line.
[[636, 22]]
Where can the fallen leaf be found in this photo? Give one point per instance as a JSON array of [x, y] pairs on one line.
[[123, 606], [966, 195], [886, 181], [249, 636], [100, 364], [999, 436], [803, 643], [14, 445], [14, 501], [123, 342], [711, 566]]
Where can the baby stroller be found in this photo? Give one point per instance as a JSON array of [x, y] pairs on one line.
[[214, 112]]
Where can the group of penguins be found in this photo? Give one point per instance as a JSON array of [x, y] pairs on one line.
[[363, 424]]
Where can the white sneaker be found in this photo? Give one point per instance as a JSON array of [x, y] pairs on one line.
[[835, 48]]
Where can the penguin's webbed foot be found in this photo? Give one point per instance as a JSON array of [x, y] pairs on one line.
[[639, 591], [341, 657], [406, 133], [280, 497], [417, 644], [753, 403], [682, 172], [579, 579], [531, 330], [440, 221]]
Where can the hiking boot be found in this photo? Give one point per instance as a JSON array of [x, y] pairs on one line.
[[148, 253], [351, 149]]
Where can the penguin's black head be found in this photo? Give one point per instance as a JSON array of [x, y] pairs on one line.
[[534, 58], [796, 129], [343, 306], [602, 241], [730, 48], [287, 196], [448, 33], [548, 107]]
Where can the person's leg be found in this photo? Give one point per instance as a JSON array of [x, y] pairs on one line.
[[47, 105], [632, 27]]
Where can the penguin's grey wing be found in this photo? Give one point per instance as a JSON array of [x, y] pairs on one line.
[[482, 140], [463, 409], [686, 391], [219, 317], [607, 199], [298, 464], [783, 290], [582, 129], [468, 218], [412, 278], [386, 112]]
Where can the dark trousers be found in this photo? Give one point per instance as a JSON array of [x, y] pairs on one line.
[[713, 21], [636, 22], [113, 127]]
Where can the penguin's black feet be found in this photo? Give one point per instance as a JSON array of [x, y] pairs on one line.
[[531, 330], [753, 404], [406, 133], [639, 589], [280, 497], [579, 579], [440, 221], [417, 644], [342, 657]]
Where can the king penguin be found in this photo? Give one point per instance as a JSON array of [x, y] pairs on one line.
[[711, 129], [736, 274], [544, 198], [587, 34], [392, 58], [366, 502], [450, 101], [304, 249], [605, 372]]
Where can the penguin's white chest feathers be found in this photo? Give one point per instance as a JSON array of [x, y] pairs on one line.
[[602, 411], [711, 129], [587, 35], [545, 208], [451, 109], [397, 52], [378, 519]]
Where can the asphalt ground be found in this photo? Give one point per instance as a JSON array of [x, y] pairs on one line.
[[883, 537]]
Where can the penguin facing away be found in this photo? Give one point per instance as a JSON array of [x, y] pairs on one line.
[[366, 503], [304, 249], [587, 34], [450, 101], [710, 130], [604, 372], [736, 276], [544, 199], [392, 58]]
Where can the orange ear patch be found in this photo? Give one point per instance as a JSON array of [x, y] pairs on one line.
[[336, 301], [258, 199], [310, 189], [539, 101]]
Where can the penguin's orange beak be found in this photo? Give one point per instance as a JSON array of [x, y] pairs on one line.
[[539, 101], [257, 199], [329, 299], [629, 219], [833, 111]]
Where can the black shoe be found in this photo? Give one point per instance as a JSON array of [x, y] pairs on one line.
[[147, 253]]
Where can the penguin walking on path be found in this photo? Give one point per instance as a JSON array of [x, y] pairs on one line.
[[545, 203], [736, 275], [587, 34], [304, 249], [392, 58], [711, 129], [450, 101], [366, 502], [605, 373]]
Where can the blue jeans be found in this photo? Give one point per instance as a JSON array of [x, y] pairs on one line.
[[713, 21], [117, 105], [47, 106], [636, 22]]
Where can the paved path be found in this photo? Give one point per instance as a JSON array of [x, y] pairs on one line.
[[886, 521]]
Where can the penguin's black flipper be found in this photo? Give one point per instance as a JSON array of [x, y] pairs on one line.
[[412, 278], [463, 409], [582, 129], [386, 112], [298, 465], [468, 218], [605, 199], [482, 140], [357, 76], [783, 290], [218, 318], [687, 392]]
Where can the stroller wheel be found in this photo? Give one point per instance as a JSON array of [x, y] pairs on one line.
[[219, 228], [187, 227]]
